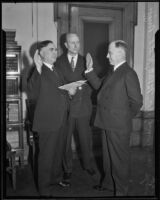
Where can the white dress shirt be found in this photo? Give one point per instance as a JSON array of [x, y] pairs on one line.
[[49, 66], [116, 66], [74, 59]]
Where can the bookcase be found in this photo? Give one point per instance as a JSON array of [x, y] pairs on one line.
[[14, 119]]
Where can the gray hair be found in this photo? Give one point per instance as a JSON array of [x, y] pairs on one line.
[[122, 44]]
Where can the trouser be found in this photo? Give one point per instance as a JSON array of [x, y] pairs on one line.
[[82, 124], [116, 160], [51, 150]]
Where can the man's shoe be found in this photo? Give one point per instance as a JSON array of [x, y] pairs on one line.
[[64, 183], [99, 188]]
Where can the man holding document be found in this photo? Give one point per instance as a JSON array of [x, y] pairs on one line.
[[72, 66]]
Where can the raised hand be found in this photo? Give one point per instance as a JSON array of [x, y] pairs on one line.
[[38, 61], [89, 61]]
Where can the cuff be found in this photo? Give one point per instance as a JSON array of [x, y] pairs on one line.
[[88, 70]]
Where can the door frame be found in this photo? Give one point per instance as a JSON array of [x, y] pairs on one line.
[[62, 14]]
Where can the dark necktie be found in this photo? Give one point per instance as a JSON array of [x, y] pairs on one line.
[[54, 70], [72, 63], [59, 79]]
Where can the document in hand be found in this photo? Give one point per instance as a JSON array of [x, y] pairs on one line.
[[72, 85]]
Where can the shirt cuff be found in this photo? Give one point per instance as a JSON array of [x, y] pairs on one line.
[[88, 70]]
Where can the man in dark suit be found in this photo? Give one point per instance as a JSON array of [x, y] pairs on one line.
[[50, 116], [72, 66], [118, 101]]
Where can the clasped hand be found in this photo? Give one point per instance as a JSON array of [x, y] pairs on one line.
[[72, 91]]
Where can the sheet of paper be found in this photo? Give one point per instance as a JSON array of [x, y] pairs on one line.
[[72, 85]]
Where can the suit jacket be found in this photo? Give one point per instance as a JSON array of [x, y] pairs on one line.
[[81, 104], [51, 102], [118, 100]]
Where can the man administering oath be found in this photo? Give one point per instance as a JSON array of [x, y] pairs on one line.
[[118, 101]]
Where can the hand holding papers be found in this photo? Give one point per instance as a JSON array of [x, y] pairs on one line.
[[72, 87]]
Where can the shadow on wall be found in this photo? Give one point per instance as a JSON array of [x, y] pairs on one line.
[[28, 68], [102, 60], [62, 41]]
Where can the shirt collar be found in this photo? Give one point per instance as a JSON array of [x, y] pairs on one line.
[[49, 66], [116, 66], [70, 57]]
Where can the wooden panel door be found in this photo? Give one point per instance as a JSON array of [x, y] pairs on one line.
[[112, 18], [96, 27], [119, 18]]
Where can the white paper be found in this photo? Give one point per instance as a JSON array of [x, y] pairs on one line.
[[73, 85]]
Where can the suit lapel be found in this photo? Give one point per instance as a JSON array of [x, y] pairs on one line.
[[106, 80], [67, 64], [78, 64], [104, 85], [54, 75], [111, 78], [114, 75]]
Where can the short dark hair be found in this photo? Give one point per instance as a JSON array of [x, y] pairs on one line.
[[122, 44], [43, 44]]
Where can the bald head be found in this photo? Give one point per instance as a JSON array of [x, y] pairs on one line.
[[121, 45], [70, 35], [72, 43]]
